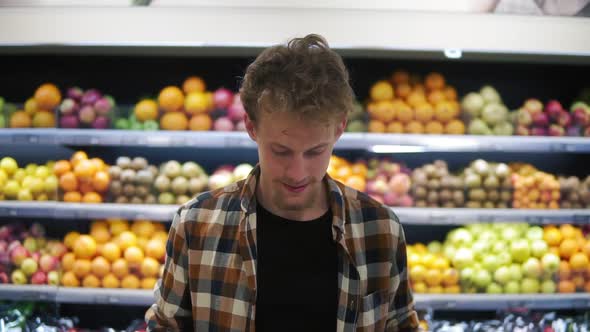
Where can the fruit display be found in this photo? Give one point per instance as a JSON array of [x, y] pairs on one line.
[[115, 254], [486, 113], [575, 192], [131, 181], [406, 104], [144, 117], [33, 182], [353, 175], [534, 189], [227, 174], [28, 257], [489, 185], [38, 111], [434, 186], [227, 115], [502, 258], [86, 109], [580, 123], [82, 179], [534, 119], [175, 183], [430, 271], [357, 120], [573, 247], [389, 182]]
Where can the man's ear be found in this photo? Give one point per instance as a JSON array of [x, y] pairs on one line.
[[250, 127], [341, 126]]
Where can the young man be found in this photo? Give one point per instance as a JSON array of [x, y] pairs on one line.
[[287, 249]]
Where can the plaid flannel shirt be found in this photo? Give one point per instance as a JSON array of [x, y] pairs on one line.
[[209, 281]]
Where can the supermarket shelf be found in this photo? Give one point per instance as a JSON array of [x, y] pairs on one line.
[[502, 301], [416, 216], [388, 143], [423, 301], [185, 31]]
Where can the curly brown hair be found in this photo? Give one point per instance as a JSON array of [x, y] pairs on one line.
[[304, 77]]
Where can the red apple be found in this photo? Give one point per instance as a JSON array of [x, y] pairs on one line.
[[540, 120], [564, 119], [69, 121], [48, 263], [553, 108], [556, 130], [406, 201], [36, 256], [3, 278], [581, 116], [18, 255], [538, 131], [39, 278], [87, 115], [522, 130], [222, 98], [391, 199]]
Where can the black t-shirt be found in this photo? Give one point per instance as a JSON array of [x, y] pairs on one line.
[[297, 274]]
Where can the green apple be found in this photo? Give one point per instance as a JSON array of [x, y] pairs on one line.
[[24, 194], [482, 278], [463, 258], [520, 250], [11, 189], [42, 172], [494, 288], [534, 233], [30, 169], [539, 248], [18, 277], [532, 268], [29, 266], [434, 247], [530, 285], [515, 272], [502, 275], [37, 186], [504, 258], [550, 262], [548, 287], [491, 263], [51, 184], [512, 287], [122, 124], [136, 126]]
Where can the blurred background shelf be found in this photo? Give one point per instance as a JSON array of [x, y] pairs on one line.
[[415, 216], [388, 143]]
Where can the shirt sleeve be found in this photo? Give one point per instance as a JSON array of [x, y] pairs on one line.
[[172, 308], [402, 315]]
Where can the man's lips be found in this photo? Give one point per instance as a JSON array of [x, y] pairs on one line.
[[295, 189]]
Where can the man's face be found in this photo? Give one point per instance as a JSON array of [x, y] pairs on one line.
[[294, 154]]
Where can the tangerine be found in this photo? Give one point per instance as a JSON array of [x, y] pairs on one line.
[[434, 81], [171, 99], [424, 112], [47, 96], [403, 90], [77, 157], [376, 126], [414, 127], [110, 281], [91, 197], [82, 267], [120, 268], [579, 262], [193, 84], [155, 249], [196, 103], [100, 266], [43, 119], [455, 127], [101, 181], [20, 119], [61, 167], [381, 90], [568, 248], [67, 261], [72, 197], [148, 283], [145, 110], [450, 93], [85, 169], [400, 77], [174, 121], [434, 127], [443, 112], [69, 279], [200, 122], [130, 282], [111, 251]]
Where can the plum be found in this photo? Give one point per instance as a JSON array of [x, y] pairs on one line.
[[101, 122], [69, 121]]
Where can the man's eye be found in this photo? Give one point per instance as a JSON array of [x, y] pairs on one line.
[[315, 152], [281, 153]]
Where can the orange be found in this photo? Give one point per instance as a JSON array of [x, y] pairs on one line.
[[126, 239], [142, 242], [133, 255], [454, 289], [455, 107], [420, 287], [416, 98], [145, 110], [436, 96], [356, 182], [384, 110], [85, 169], [579, 262], [434, 81], [47, 96], [433, 277], [381, 90], [174, 121], [110, 281], [566, 286], [82, 267], [400, 77], [31, 106], [414, 127], [72, 197], [395, 128], [403, 90], [171, 99], [61, 167], [149, 267], [564, 272], [161, 236], [118, 226], [567, 248], [100, 266], [455, 127], [196, 103], [91, 197], [417, 273], [67, 261], [193, 84], [376, 126], [111, 251], [450, 277], [143, 228], [85, 247], [450, 93], [552, 236], [77, 157], [359, 169], [130, 282], [200, 122], [568, 231], [120, 268], [101, 181], [434, 127], [85, 186], [69, 279], [155, 249], [91, 281], [70, 238], [148, 283], [20, 119], [424, 112], [100, 234], [43, 119], [443, 112]]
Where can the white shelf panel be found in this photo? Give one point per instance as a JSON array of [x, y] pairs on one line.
[[165, 213], [177, 31], [349, 141], [423, 301]]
